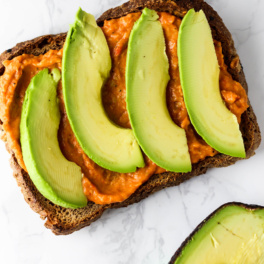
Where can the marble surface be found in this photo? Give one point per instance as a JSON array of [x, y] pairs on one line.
[[150, 231]]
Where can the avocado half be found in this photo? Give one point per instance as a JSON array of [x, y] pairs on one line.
[[234, 233]]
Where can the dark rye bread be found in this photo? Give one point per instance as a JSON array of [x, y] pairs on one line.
[[65, 221]]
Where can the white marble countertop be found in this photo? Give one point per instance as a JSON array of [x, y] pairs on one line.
[[150, 231]]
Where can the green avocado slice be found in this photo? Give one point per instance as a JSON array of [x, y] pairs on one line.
[[86, 65], [199, 74], [147, 76], [56, 178], [233, 234]]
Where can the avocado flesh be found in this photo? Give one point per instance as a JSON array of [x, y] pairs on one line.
[[59, 180], [233, 235], [86, 65], [199, 74], [147, 76]]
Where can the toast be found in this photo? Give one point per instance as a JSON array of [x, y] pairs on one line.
[[64, 221]]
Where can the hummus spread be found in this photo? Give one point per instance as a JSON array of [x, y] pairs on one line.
[[100, 185]]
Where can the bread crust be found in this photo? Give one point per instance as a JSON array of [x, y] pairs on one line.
[[64, 221]]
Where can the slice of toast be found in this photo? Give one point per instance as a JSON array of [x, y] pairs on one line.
[[65, 221]]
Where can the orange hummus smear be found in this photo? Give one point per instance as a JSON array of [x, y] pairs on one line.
[[100, 185], [117, 32], [13, 84], [234, 96]]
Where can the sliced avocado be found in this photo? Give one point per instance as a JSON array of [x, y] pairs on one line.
[[233, 234], [147, 76], [86, 65], [199, 74], [55, 177]]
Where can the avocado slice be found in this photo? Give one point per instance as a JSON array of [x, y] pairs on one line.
[[86, 65], [233, 234], [56, 178], [199, 74], [147, 76]]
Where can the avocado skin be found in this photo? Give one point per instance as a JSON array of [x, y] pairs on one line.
[[248, 207]]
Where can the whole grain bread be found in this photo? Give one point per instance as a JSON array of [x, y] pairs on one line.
[[65, 221]]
